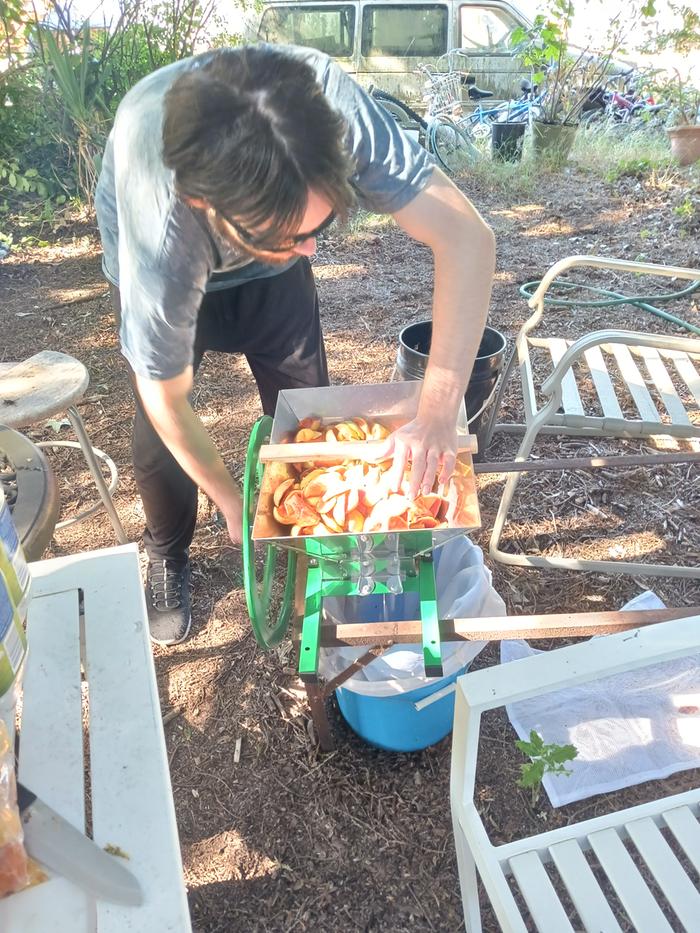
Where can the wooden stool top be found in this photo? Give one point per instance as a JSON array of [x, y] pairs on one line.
[[39, 387]]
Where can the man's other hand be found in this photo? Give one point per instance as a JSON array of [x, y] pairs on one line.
[[233, 515]]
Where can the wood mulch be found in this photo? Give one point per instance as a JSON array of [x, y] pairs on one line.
[[287, 839]]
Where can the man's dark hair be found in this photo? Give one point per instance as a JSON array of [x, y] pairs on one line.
[[250, 131]]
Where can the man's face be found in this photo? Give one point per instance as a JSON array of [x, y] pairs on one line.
[[318, 215]]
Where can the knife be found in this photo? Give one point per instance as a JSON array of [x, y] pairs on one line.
[[56, 843]]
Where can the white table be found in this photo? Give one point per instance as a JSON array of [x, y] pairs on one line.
[[104, 728]]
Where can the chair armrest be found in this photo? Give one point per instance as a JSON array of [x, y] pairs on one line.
[[619, 265], [627, 337], [577, 664]]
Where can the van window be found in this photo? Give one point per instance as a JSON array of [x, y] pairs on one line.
[[405, 31], [329, 29], [484, 27]]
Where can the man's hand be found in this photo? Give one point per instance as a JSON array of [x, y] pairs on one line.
[[233, 516], [429, 447]]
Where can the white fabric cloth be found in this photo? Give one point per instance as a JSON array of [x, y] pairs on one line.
[[628, 728]]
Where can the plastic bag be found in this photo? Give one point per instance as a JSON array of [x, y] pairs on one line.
[[13, 859], [464, 590]]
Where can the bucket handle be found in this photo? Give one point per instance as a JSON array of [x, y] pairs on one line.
[[480, 411], [485, 405], [420, 705]]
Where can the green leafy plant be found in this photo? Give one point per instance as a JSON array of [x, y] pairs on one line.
[[686, 209], [22, 182], [683, 98], [683, 38], [62, 78], [569, 75], [688, 213], [545, 759], [77, 79], [13, 29]]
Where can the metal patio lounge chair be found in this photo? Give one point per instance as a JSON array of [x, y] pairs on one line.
[[620, 367]]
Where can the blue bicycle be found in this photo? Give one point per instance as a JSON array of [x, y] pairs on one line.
[[437, 130], [525, 109], [457, 139]]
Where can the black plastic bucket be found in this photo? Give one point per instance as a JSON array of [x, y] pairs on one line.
[[412, 358], [507, 141]]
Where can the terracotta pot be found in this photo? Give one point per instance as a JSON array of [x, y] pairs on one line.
[[553, 141], [685, 143]]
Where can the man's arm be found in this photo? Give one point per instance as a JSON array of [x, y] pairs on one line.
[[464, 251], [168, 407]]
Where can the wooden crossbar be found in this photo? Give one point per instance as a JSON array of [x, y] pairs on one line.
[[556, 625]]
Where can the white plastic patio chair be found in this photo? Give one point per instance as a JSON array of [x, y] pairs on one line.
[[519, 866], [622, 364]]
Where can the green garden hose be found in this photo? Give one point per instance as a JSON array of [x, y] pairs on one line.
[[615, 298]]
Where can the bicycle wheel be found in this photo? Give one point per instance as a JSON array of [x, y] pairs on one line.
[[593, 118], [403, 114], [399, 114], [451, 145]]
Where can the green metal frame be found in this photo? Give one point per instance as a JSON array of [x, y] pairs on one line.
[[323, 581], [311, 623], [258, 591], [430, 623]]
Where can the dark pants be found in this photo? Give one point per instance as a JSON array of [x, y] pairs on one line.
[[275, 323]]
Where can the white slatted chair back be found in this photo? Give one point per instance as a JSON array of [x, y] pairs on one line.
[[636, 868], [626, 388]]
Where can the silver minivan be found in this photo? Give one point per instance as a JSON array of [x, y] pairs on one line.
[[381, 42]]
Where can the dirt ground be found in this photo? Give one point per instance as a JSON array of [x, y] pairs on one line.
[[288, 839]]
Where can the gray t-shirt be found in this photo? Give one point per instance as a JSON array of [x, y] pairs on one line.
[[163, 254]]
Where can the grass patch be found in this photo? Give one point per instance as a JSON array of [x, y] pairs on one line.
[[517, 179], [622, 152]]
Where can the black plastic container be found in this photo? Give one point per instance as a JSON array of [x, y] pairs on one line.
[[412, 358], [507, 141]]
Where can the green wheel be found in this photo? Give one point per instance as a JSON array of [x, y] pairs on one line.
[[268, 630]]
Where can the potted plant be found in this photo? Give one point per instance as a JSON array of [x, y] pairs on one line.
[[569, 76], [684, 132], [683, 99]]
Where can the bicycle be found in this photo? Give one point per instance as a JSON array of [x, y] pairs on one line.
[[524, 109], [405, 116], [475, 126], [452, 145], [437, 132], [448, 133], [623, 106]]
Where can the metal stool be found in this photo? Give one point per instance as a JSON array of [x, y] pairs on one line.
[[44, 385]]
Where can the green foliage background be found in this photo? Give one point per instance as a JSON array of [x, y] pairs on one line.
[[60, 86]]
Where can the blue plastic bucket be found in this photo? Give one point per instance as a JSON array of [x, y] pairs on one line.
[[393, 723]]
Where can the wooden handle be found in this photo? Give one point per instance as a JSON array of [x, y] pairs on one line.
[[346, 450]]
